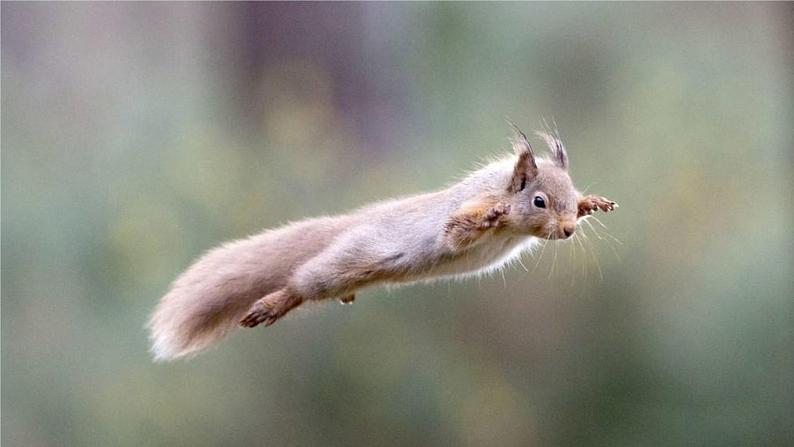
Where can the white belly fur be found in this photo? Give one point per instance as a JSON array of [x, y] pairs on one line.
[[485, 257]]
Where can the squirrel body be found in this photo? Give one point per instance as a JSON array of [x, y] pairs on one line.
[[475, 225]]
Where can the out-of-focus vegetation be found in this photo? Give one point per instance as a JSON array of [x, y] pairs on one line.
[[135, 136]]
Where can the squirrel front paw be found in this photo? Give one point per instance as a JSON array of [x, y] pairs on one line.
[[590, 204], [495, 215], [466, 226]]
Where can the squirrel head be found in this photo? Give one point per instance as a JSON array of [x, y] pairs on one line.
[[543, 200]]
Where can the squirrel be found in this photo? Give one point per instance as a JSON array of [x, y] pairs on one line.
[[473, 226]]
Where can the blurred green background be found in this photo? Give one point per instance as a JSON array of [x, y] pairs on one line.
[[136, 136]]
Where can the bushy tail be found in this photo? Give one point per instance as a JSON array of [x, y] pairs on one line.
[[208, 300]]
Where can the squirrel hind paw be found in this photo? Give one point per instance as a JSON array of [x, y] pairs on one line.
[[270, 309], [258, 314]]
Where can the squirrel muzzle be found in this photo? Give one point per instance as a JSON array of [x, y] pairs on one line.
[[567, 229]]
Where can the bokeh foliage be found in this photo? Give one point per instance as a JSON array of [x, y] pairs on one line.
[[135, 136]]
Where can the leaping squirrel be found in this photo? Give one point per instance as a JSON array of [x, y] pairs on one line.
[[475, 225]]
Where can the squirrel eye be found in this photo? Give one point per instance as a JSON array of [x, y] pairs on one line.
[[539, 202]]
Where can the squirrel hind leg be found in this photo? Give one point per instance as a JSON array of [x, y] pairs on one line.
[[271, 308]]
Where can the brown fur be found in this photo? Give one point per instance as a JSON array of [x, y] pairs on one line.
[[472, 226]]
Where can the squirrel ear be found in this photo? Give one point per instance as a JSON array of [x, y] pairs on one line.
[[525, 167], [559, 155]]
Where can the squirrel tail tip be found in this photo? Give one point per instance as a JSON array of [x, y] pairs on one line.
[[181, 327]]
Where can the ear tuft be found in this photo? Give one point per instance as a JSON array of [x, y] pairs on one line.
[[558, 152], [525, 167]]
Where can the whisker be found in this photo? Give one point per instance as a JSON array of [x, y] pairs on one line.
[[598, 220], [578, 239], [588, 187], [595, 259], [615, 252], [521, 263], [592, 246], [592, 228], [542, 250], [554, 261], [605, 230], [576, 258], [581, 233], [572, 252], [611, 246]]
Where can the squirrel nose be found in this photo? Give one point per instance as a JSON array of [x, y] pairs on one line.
[[568, 229]]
